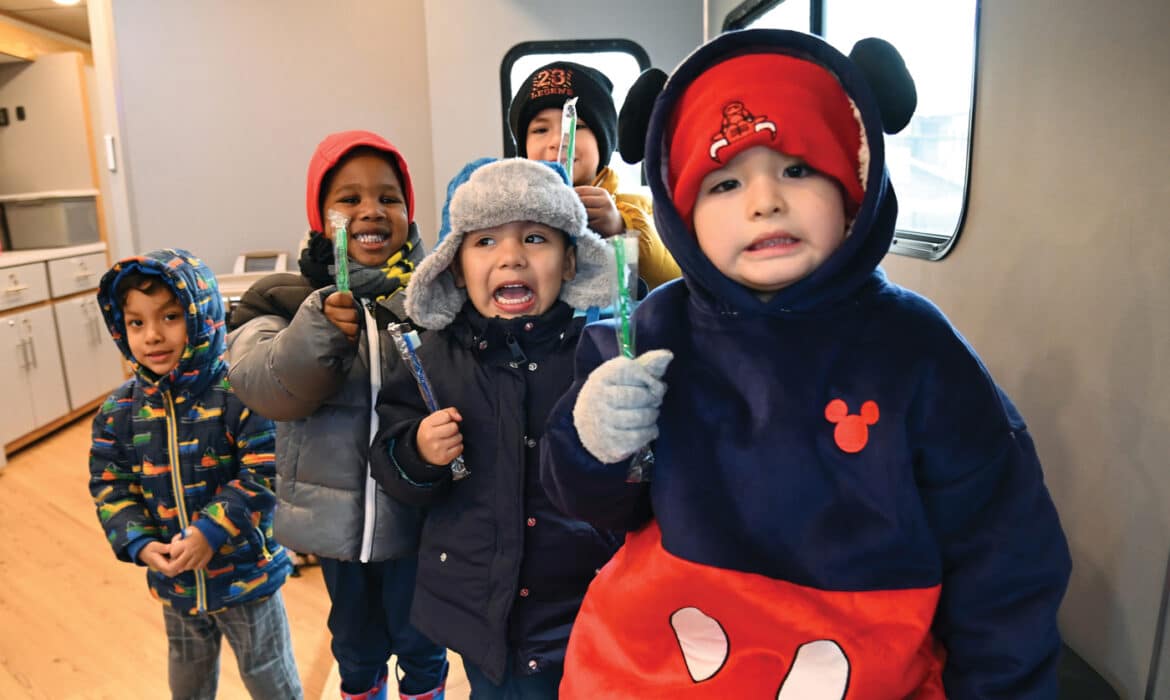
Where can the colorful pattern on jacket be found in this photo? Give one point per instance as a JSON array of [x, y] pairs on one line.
[[844, 504], [182, 450]]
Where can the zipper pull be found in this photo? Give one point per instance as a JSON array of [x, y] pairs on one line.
[[518, 356]]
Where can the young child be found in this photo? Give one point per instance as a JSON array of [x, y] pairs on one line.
[[181, 473], [501, 572], [312, 358], [535, 119], [844, 504]]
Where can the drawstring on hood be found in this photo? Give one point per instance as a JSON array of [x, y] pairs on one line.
[[195, 287]]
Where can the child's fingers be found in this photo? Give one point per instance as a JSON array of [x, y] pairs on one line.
[[340, 300]]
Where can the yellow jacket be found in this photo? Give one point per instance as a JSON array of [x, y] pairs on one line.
[[655, 264]]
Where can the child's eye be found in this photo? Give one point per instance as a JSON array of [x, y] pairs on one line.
[[349, 199], [535, 238], [538, 130], [387, 199], [173, 316], [724, 186], [134, 323], [485, 241], [799, 170]]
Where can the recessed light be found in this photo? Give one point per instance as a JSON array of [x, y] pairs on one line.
[[66, 2]]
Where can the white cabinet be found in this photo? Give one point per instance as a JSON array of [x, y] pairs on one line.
[[93, 364], [36, 390], [56, 356]]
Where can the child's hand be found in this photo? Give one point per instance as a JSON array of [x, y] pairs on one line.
[[439, 440], [341, 311], [604, 218], [190, 550], [157, 556], [617, 410]]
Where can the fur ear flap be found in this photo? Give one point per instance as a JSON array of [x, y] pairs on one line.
[[892, 85], [634, 119]]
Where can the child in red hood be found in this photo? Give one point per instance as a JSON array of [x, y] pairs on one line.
[[311, 358]]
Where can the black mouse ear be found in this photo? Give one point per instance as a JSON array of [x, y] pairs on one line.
[[634, 119], [892, 85]]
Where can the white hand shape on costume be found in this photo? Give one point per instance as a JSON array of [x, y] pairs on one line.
[[820, 670], [617, 410]]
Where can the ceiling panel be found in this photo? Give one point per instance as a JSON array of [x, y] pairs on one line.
[[70, 21]]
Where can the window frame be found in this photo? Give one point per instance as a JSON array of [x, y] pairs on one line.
[[557, 46], [915, 244]]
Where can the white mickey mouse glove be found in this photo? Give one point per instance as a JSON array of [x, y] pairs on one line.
[[617, 410]]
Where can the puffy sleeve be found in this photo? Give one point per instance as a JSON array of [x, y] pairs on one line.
[[576, 482]]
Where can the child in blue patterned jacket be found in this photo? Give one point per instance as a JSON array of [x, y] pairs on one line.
[[181, 473]]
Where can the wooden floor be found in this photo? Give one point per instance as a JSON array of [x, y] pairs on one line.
[[77, 623]]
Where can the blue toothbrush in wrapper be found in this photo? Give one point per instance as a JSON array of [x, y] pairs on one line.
[[407, 341]]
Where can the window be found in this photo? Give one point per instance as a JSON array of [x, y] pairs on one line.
[[621, 60], [929, 161]]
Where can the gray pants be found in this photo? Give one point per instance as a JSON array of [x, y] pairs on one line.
[[258, 633]]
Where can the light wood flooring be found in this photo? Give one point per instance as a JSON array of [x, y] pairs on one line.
[[77, 623]]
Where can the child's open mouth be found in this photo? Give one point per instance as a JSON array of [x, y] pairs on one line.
[[514, 297], [775, 242], [371, 239]]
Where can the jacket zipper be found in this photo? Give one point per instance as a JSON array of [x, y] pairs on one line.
[[371, 487], [180, 495]]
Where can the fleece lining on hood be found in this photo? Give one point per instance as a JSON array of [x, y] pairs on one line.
[[194, 285], [853, 264]]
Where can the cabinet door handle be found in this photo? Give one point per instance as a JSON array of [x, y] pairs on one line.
[[15, 289], [32, 350], [24, 361]]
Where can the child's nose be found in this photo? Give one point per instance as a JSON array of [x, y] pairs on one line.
[[372, 210], [765, 197], [511, 254]]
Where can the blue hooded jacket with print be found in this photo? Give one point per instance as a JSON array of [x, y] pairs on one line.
[[181, 450]]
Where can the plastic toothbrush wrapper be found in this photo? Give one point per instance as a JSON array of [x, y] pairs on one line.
[[340, 223], [625, 253], [407, 341], [568, 136]]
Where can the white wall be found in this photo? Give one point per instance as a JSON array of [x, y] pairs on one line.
[[222, 103], [465, 55], [48, 150], [1059, 280]]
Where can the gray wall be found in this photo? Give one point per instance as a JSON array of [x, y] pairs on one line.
[[222, 102], [464, 57], [1060, 282], [48, 150]]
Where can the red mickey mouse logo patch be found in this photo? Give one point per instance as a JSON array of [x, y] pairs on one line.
[[852, 432]]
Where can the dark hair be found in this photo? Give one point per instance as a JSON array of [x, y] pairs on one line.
[[147, 284], [327, 178]]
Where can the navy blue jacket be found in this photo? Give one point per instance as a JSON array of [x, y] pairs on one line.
[[944, 494], [501, 571]]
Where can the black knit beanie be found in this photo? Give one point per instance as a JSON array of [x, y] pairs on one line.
[[550, 86]]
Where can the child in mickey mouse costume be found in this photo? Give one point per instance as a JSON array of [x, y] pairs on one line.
[[844, 504]]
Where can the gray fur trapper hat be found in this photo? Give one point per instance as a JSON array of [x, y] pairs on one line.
[[487, 193]]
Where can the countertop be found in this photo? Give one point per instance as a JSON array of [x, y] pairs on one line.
[[11, 258]]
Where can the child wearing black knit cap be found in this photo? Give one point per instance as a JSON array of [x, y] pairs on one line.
[[535, 121]]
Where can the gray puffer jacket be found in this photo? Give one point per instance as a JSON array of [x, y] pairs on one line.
[[289, 363]]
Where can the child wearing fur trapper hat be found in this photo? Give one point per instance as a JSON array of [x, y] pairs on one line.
[[501, 571], [535, 120], [843, 504]]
